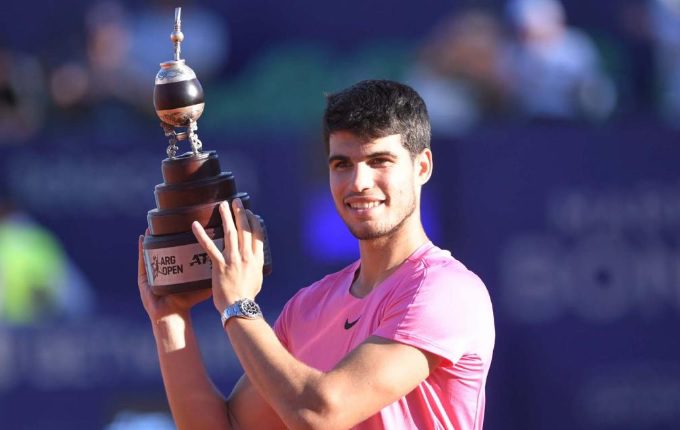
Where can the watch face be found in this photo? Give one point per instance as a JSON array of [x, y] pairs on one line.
[[249, 308]]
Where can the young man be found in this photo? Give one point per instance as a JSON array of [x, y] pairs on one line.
[[400, 339]]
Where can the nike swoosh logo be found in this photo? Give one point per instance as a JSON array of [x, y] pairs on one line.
[[349, 325]]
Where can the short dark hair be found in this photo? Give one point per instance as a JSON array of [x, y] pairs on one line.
[[378, 108]]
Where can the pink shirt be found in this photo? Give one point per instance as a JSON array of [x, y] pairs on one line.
[[431, 302]]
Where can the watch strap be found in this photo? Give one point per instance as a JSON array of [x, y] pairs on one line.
[[242, 308]]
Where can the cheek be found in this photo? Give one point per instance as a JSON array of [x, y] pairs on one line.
[[403, 196], [335, 186]]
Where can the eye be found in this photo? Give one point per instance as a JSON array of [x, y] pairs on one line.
[[378, 162], [340, 165]]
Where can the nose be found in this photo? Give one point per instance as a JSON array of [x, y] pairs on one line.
[[363, 178]]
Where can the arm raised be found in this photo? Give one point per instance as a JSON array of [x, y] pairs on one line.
[[194, 400]]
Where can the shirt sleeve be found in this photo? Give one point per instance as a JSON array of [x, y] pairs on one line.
[[442, 310]]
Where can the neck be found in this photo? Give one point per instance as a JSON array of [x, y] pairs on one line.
[[382, 256]]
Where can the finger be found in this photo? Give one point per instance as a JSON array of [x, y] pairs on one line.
[[257, 244], [206, 243], [245, 236], [230, 234]]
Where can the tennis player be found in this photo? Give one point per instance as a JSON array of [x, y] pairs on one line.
[[400, 339]]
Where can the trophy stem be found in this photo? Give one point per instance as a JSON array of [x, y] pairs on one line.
[[174, 137], [196, 144], [169, 131]]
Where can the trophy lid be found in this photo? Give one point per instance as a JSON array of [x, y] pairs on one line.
[[174, 71]]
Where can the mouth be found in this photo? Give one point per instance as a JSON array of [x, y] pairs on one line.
[[364, 207]]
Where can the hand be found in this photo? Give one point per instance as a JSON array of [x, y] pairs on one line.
[[236, 271], [159, 307]]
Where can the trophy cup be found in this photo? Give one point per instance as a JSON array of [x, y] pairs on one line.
[[192, 189]]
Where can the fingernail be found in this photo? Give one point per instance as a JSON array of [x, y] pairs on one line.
[[238, 202]]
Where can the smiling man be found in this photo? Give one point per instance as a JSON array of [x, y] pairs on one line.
[[400, 339]]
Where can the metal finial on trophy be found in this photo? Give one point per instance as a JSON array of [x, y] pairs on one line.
[[177, 36], [178, 96]]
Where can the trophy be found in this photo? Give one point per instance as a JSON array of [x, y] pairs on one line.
[[192, 189]]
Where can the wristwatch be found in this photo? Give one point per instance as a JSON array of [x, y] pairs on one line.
[[243, 308]]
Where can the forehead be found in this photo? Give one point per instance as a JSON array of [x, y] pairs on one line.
[[348, 144]]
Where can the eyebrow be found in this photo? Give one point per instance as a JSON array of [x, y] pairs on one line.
[[377, 154]]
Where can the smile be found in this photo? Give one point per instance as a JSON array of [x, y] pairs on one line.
[[364, 205]]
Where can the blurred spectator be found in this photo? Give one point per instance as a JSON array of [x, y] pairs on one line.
[[38, 282], [104, 73], [555, 70], [124, 49], [665, 20], [634, 48], [22, 98], [459, 72]]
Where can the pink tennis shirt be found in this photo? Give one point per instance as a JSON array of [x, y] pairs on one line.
[[431, 302]]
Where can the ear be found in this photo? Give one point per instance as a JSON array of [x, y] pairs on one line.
[[423, 165]]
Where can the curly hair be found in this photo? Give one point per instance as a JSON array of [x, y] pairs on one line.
[[377, 108]]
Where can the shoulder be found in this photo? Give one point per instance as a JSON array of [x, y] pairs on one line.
[[432, 284], [443, 289], [438, 271], [440, 306]]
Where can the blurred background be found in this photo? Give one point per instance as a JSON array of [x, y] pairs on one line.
[[556, 134]]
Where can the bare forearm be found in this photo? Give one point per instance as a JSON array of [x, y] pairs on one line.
[[193, 399], [289, 386]]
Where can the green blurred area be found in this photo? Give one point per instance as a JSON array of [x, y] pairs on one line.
[[283, 88]]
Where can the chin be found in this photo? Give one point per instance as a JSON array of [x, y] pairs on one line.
[[367, 235], [370, 233], [377, 230]]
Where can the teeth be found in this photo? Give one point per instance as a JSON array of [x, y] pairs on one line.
[[364, 205]]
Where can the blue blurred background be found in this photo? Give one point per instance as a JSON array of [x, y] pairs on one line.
[[556, 141]]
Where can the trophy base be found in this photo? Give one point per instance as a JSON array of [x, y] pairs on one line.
[[192, 189], [177, 263]]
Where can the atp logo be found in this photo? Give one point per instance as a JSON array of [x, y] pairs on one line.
[[200, 259]]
